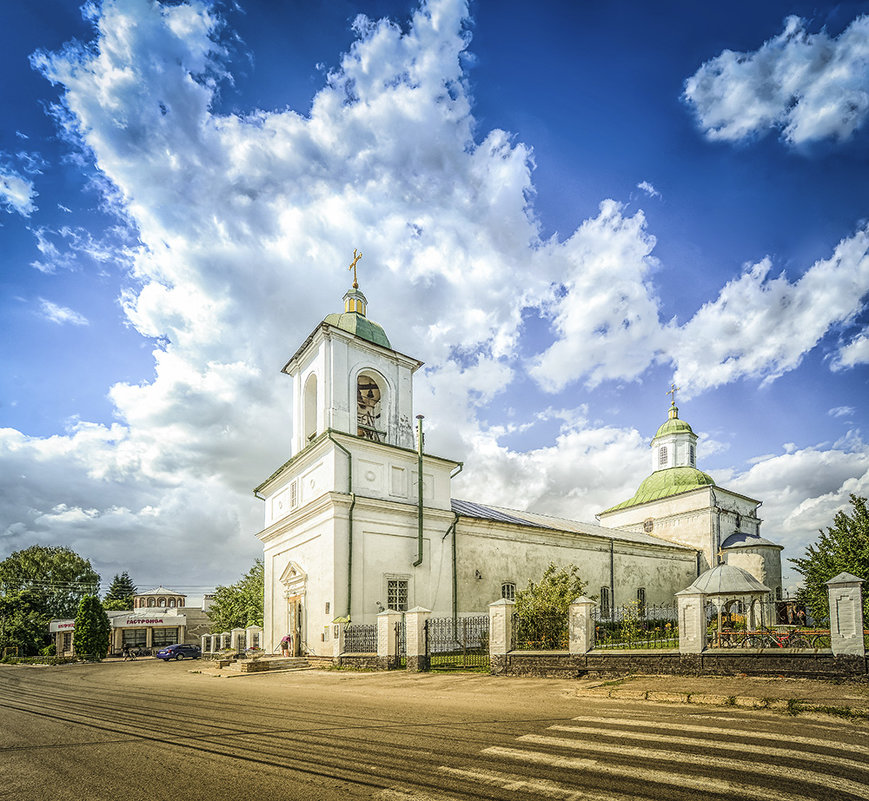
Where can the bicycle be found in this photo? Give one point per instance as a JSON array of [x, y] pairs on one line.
[[769, 638]]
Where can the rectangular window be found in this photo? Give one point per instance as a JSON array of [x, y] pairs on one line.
[[67, 642], [662, 456], [135, 638], [294, 498], [508, 590], [605, 602], [641, 601], [396, 594], [162, 637]]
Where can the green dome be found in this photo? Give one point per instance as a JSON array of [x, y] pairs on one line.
[[664, 483], [673, 426], [361, 326]]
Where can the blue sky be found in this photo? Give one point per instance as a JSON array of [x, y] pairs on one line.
[[563, 208]]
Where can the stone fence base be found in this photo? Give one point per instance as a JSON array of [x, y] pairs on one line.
[[361, 661], [560, 664]]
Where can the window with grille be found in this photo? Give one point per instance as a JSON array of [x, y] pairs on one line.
[[641, 600], [294, 496], [662, 455], [691, 455], [396, 594], [508, 590], [605, 601], [135, 638]]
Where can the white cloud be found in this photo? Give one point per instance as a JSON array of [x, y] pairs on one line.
[[761, 327], [854, 353], [809, 86], [802, 490], [16, 192], [841, 411], [60, 314], [648, 189], [604, 311]]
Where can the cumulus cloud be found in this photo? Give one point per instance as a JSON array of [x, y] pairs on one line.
[[761, 327], [60, 314], [17, 193], [802, 490], [854, 353], [809, 86]]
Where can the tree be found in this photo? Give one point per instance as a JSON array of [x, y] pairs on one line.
[[557, 589], [92, 630], [121, 592], [23, 622], [58, 577], [844, 547], [542, 608], [241, 604]]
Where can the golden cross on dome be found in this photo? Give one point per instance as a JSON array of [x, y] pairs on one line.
[[356, 258], [672, 393]]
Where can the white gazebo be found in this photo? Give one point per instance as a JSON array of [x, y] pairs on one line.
[[723, 586]]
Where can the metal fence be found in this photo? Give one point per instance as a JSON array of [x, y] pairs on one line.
[[401, 642], [540, 633], [360, 639], [635, 626], [457, 642]]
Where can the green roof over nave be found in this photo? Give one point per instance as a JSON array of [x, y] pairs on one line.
[[664, 483]]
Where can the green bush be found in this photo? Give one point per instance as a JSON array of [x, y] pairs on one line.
[[92, 630]]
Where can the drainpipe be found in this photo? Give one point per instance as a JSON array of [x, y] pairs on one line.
[[419, 438], [612, 580], [349, 522]]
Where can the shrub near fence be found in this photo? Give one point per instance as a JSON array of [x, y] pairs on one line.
[[633, 626], [540, 633]]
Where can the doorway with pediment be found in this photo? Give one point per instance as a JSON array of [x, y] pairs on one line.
[[295, 582]]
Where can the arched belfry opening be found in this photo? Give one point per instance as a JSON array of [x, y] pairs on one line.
[[310, 418], [370, 407]]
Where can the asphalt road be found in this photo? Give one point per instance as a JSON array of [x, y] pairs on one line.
[[146, 729]]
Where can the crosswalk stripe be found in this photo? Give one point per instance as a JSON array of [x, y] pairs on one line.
[[717, 745], [705, 784], [857, 749], [795, 774], [540, 787]]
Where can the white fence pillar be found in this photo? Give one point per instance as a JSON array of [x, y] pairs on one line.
[[338, 637], [253, 636], [500, 634], [846, 615], [205, 638], [581, 625], [692, 622], [387, 647], [414, 621]]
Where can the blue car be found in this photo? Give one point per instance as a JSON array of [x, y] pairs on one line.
[[179, 652]]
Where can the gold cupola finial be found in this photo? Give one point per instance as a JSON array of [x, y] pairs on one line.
[[356, 258], [674, 411]]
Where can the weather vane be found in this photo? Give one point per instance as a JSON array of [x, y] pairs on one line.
[[672, 393], [356, 257]]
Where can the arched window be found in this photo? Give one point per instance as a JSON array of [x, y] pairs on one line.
[[369, 417], [508, 590], [691, 456], [662, 456], [151, 602], [310, 407]]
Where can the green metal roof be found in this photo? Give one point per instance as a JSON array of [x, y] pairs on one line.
[[664, 483], [673, 426], [361, 326]]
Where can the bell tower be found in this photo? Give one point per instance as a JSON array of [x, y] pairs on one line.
[[348, 378]]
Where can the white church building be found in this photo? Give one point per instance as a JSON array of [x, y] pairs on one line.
[[361, 519]]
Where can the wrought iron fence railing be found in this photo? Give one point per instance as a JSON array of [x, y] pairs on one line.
[[636, 626], [360, 638], [458, 642], [546, 632]]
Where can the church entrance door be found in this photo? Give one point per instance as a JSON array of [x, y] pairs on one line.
[[294, 623]]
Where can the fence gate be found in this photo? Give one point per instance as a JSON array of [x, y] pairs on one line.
[[401, 643], [457, 643]]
